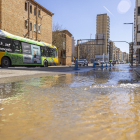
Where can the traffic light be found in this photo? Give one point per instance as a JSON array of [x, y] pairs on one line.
[[109, 43]]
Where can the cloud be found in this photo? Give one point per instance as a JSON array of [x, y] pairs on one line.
[[108, 10]]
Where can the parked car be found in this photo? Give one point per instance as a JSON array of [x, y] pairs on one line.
[[97, 62], [114, 62], [121, 62], [82, 62], [102, 62]]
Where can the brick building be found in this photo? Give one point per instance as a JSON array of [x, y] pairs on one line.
[[87, 50], [63, 41], [102, 28], [26, 18], [112, 51]]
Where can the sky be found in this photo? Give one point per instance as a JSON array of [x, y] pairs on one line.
[[79, 18]]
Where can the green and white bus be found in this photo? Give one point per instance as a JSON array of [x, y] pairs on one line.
[[19, 51]]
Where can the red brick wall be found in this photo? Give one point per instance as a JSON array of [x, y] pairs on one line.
[[13, 20]]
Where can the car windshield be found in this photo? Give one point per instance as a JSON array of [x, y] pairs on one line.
[[81, 59]]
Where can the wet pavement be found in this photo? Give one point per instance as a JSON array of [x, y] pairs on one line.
[[97, 104]]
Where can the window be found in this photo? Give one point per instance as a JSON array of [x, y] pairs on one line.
[[30, 8], [39, 14], [35, 11], [25, 6], [5, 44], [138, 11], [30, 26], [138, 43], [35, 27], [26, 48], [39, 28], [26, 24], [44, 51], [16, 46], [48, 52], [64, 45], [138, 28]]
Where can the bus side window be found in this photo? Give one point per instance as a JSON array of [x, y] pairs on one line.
[[17, 46], [44, 51], [41, 48], [52, 53], [5, 44], [47, 51]]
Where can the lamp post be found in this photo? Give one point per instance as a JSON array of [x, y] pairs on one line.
[[131, 45]]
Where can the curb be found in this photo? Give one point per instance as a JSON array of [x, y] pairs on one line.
[[137, 73]]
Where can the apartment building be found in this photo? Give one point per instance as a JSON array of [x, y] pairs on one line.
[[135, 53], [102, 28], [118, 54], [63, 40], [136, 47], [87, 50], [26, 18], [112, 51], [73, 48], [125, 56]]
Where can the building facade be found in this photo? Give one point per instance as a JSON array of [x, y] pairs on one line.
[[63, 41], [86, 50], [112, 51], [125, 56], [73, 49], [136, 47], [102, 28], [26, 18], [118, 54]]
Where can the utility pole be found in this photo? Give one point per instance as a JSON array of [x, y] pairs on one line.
[[131, 45], [77, 49]]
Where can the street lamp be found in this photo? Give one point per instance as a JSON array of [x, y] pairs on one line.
[[131, 45]]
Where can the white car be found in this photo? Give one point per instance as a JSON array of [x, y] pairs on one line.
[[97, 62], [102, 62], [121, 62], [82, 62]]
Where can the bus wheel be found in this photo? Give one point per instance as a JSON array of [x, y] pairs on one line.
[[45, 63], [5, 62]]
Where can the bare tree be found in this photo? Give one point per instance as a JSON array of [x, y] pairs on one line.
[[57, 36]]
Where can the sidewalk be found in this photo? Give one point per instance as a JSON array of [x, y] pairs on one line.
[[13, 74], [136, 70]]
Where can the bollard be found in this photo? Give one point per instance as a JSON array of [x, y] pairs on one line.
[[110, 64], [93, 65], [102, 65], [113, 64], [76, 65], [106, 64]]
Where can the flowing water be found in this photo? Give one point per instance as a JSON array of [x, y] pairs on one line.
[[101, 104]]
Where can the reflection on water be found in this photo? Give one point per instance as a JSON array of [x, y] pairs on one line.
[[98, 104]]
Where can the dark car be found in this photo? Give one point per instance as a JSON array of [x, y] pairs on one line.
[[113, 62]]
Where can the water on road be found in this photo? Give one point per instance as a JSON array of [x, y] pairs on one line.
[[101, 104]]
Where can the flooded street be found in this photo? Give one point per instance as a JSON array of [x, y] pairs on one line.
[[101, 104]]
